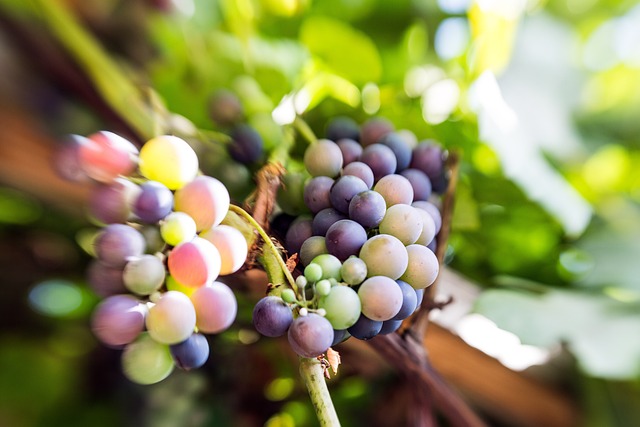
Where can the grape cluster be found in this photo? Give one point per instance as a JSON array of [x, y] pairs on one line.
[[160, 252], [368, 246]]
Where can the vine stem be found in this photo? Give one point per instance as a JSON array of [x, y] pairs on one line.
[[267, 241], [303, 129], [312, 373]]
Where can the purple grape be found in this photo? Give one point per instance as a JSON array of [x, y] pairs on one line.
[[191, 353], [380, 159], [117, 243], [111, 203], [316, 193], [154, 202], [66, 161], [351, 150], [390, 326], [431, 210], [433, 245], [419, 297], [343, 191], [374, 129], [339, 335], [311, 248], [225, 108], [367, 208], [299, 231], [429, 158], [325, 219], [105, 280], [345, 238], [420, 182], [118, 320], [310, 335], [360, 170], [272, 317], [400, 148], [247, 146], [342, 127], [409, 301], [365, 328]]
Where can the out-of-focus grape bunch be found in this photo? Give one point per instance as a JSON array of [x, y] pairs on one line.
[[160, 253], [367, 248]]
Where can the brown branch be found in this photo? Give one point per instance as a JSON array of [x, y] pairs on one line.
[[268, 180]]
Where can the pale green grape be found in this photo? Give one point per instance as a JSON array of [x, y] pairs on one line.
[[342, 306], [177, 227], [146, 361]]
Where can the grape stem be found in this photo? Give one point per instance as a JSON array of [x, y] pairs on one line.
[[312, 373], [304, 130], [267, 241]]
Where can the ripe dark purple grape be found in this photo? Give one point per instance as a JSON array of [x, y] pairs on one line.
[[310, 335], [420, 182], [272, 317], [246, 146], [380, 159], [325, 219], [400, 148], [342, 127], [350, 149], [345, 238], [365, 328], [409, 301], [191, 353], [360, 170], [374, 129], [339, 335], [429, 157], [112, 203], [343, 191], [154, 202], [367, 208], [299, 231], [105, 280], [390, 326], [316, 193]]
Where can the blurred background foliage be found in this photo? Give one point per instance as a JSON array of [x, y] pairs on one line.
[[541, 98]]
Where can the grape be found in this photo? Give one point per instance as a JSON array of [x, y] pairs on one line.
[[323, 158], [152, 238], [384, 255], [104, 155], [117, 243], [342, 127], [419, 297], [144, 275], [367, 208], [323, 288], [172, 319], [380, 159], [225, 108], [350, 149], [146, 361], [353, 271], [374, 129], [154, 202], [361, 170], [272, 317], [169, 160], [105, 280], [343, 191], [66, 161], [173, 285], [313, 272], [365, 328], [325, 219], [400, 148], [177, 227], [205, 199], [429, 158], [432, 210], [288, 295], [433, 246], [247, 146], [345, 238], [395, 189], [191, 353], [381, 298], [422, 268], [342, 306], [428, 228], [290, 195], [339, 336], [111, 203], [403, 222], [195, 263], [311, 248], [118, 320], [408, 137], [330, 266], [409, 301], [316, 193], [310, 335], [231, 245], [420, 183], [390, 326], [216, 307], [299, 231]]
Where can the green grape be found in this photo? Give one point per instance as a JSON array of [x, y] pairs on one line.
[[146, 361], [144, 275], [422, 268], [342, 306], [384, 255], [288, 295], [323, 287], [403, 222], [313, 272], [330, 266], [177, 227], [353, 270]]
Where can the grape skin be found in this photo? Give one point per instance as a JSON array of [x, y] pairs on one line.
[[342, 307], [172, 319], [384, 255], [154, 202], [169, 160], [195, 263], [330, 265], [365, 328], [316, 193], [311, 248], [390, 326], [299, 231], [350, 149], [353, 271], [381, 298], [422, 268], [361, 170], [420, 183], [342, 127], [325, 219], [310, 335], [409, 301], [191, 353], [247, 146], [345, 238], [433, 211], [323, 158], [395, 189], [380, 159], [272, 317], [177, 227], [205, 199], [104, 155], [111, 203], [374, 129], [117, 243], [399, 147], [344, 189], [216, 307], [367, 208], [144, 275], [231, 245], [146, 361], [105, 280], [428, 228], [118, 320], [404, 222]]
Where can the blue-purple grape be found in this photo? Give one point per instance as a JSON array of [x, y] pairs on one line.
[[373, 129], [117, 243], [310, 335], [343, 191], [299, 231], [420, 183], [154, 202], [345, 238], [225, 108], [339, 335], [316, 193], [365, 328], [105, 280], [191, 353], [342, 127], [325, 219], [272, 317], [246, 145], [380, 159], [429, 157], [400, 148], [350, 149], [118, 320], [409, 301], [419, 297], [361, 170], [390, 326], [367, 208]]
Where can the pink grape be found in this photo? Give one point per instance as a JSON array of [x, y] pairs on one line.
[[111, 203], [105, 155], [117, 243], [206, 199], [118, 320], [232, 247], [381, 298], [195, 263], [216, 307], [172, 319]]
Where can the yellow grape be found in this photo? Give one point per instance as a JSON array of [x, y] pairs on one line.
[[195, 263], [206, 199], [169, 160], [231, 244], [177, 227]]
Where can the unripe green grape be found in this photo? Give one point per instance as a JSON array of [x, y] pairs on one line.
[[313, 272], [422, 268], [353, 270], [144, 275], [330, 266], [342, 306], [403, 222], [323, 288], [177, 227], [289, 296], [146, 361], [173, 285]]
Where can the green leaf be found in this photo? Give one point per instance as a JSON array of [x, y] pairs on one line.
[[342, 49]]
